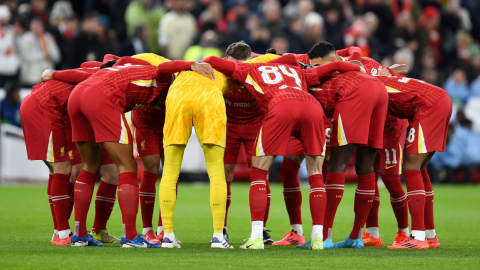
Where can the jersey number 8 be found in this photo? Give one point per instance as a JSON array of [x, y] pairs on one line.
[[268, 71]]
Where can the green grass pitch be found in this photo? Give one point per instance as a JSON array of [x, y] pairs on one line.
[[26, 228]]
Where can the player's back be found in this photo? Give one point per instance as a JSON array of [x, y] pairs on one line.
[[206, 85], [53, 95], [272, 83], [407, 96]]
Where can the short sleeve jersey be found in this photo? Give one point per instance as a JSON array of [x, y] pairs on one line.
[[128, 86], [407, 96]]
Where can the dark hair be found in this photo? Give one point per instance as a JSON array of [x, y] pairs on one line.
[[273, 51], [239, 50], [321, 50]]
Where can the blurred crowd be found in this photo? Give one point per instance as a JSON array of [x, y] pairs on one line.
[[438, 39]]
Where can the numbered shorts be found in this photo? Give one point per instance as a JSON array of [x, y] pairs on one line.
[[428, 130], [236, 136], [298, 118], [95, 119], [45, 135], [199, 106], [148, 132], [390, 159], [359, 118]]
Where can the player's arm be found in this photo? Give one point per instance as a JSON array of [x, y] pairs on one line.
[[72, 76], [324, 70], [166, 70], [288, 59], [224, 66], [130, 60], [350, 51]]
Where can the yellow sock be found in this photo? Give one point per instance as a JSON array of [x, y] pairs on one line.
[[168, 184], [218, 186]]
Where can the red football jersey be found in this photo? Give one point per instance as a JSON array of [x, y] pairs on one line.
[[272, 83], [407, 96], [394, 124], [243, 108], [303, 58], [128, 86], [332, 88], [53, 94]]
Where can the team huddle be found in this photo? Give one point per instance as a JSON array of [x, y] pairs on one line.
[[320, 107]]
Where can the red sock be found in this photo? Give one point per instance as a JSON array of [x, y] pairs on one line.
[[61, 200], [104, 202], [363, 202], [128, 197], [416, 198], [229, 200], [317, 198], [49, 196], [267, 209], [83, 197], [372, 219], [292, 194], [398, 199], [147, 197], [334, 186], [429, 223], [258, 193], [71, 191]]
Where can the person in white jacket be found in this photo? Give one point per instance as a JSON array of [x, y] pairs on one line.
[[38, 51], [10, 63]]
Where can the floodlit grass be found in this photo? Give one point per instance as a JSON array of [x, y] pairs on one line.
[[26, 229]]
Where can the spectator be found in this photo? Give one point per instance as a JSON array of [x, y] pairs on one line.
[[10, 106], [405, 57], [475, 88], [212, 18], [471, 152], [85, 46], [177, 30], [280, 44], [142, 12], [106, 35], [38, 9], [38, 51], [259, 38], [138, 44], [10, 63], [457, 86], [272, 12], [208, 47]]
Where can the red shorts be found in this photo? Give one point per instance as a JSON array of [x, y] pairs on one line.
[[298, 118], [360, 117], [295, 146], [237, 135], [428, 130], [390, 158], [148, 130], [46, 136], [95, 119]]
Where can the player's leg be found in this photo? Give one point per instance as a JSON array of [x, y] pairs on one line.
[[105, 200], [218, 189], [128, 190], [317, 199], [61, 199], [151, 164], [232, 147], [429, 220], [160, 232], [371, 236], [168, 197]]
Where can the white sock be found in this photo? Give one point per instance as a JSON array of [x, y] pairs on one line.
[[317, 231], [64, 234], [418, 235], [373, 231], [430, 233], [159, 230], [55, 232], [170, 236], [257, 230], [264, 228], [405, 230], [297, 228], [145, 230], [219, 236]]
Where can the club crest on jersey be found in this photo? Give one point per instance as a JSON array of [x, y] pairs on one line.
[[70, 154], [62, 151], [142, 145]]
